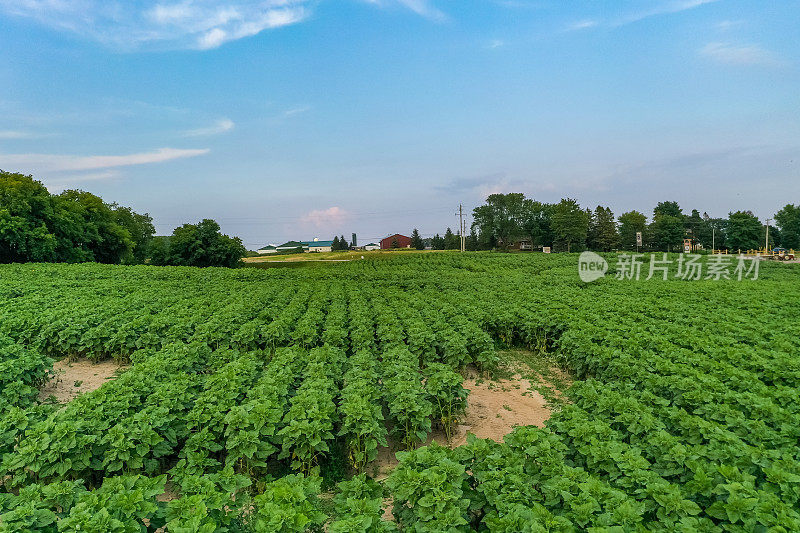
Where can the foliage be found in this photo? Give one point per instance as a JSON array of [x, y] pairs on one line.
[[672, 423], [416, 240], [73, 226], [428, 491], [362, 417], [288, 505], [788, 220], [200, 245], [359, 507], [602, 233], [630, 224], [499, 221], [570, 224], [666, 232], [744, 231], [447, 395]]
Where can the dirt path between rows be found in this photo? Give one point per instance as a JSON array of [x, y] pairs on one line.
[[78, 377]]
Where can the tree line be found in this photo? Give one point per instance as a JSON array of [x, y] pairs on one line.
[[77, 226], [505, 219]]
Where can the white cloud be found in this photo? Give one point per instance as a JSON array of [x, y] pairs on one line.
[[674, 6], [10, 134], [743, 55], [332, 217], [187, 24], [198, 24], [221, 126], [423, 8], [726, 25], [296, 111], [664, 8], [582, 25], [496, 43], [39, 163]]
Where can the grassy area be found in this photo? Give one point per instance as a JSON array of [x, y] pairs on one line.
[[338, 256]]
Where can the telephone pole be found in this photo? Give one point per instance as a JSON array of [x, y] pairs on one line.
[[766, 240], [461, 228]]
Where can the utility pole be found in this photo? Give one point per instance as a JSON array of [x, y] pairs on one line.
[[713, 235], [766, 241], [461, 227]]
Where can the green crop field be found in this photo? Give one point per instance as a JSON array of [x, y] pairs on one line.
[[258, 398]]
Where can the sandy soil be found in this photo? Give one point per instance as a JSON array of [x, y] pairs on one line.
[[78, 377], [494, 408]]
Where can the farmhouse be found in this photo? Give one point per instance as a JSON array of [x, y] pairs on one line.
[[317, 246], [401, 240], [372, 246]]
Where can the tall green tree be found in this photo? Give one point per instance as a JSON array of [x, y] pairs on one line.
[[744, 231], [416, 240], [451, 240], [27, 220], [202, 245], [437, 242], [336, 245], [788, 220], [695, 228], [667, 233], [668, 208], [667, 230], [630, 224], [472, 243], [712, 232], [141, 229], [499, 220], [537, 222], [570, 224], [602, 235]]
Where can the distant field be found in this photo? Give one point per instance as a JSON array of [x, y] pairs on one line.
[[340, 256]]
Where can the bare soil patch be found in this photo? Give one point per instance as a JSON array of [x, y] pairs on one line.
[[78, 377], [494, 409]]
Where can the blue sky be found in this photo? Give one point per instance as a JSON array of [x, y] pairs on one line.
[[308, 118]]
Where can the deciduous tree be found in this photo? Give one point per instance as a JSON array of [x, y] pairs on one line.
[[570, 224]]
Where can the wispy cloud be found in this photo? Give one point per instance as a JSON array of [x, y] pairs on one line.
[[666, 8], [582, 25], [725, 25], [299, 110], [424, 8], [332, 217], [742, 55], [11, 134], [663, 8], [496, 43], [38, 163], [181, 24], [221, 126], [198, 24]]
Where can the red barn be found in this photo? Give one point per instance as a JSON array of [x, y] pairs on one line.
[[402, 242]]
